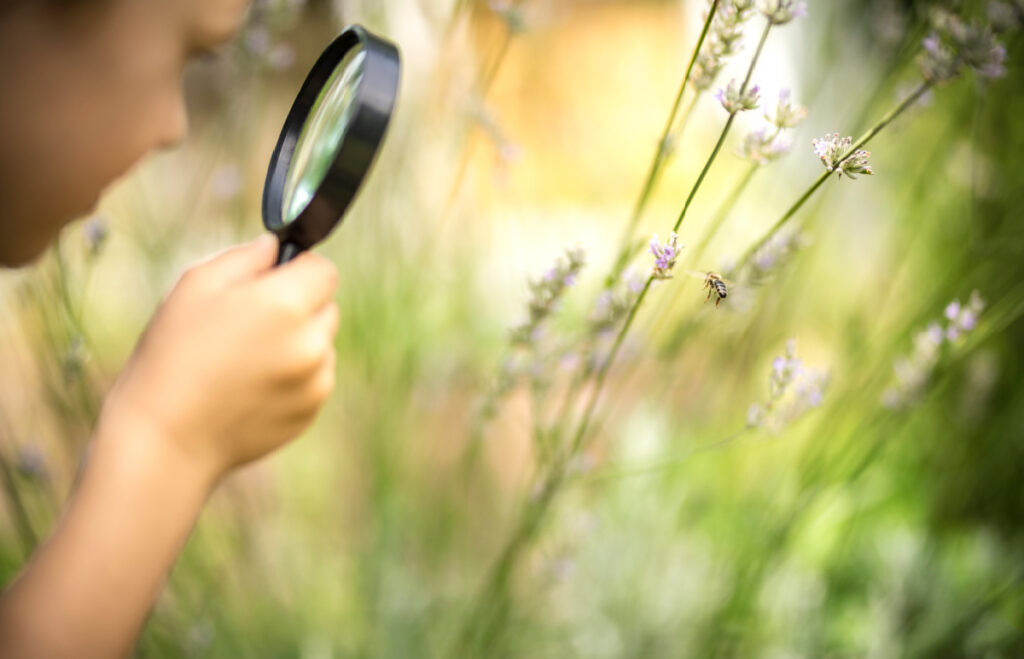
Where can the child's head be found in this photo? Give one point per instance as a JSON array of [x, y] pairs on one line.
[[88, 88]]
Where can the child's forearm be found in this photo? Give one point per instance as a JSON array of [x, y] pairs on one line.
[[89, 588]]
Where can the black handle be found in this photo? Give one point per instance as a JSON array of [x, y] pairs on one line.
[[286, 252]]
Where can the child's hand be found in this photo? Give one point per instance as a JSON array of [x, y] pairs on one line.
[[236, 362]]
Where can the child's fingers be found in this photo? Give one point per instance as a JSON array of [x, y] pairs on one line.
[[240, 262], [327, 320], [308, 282]]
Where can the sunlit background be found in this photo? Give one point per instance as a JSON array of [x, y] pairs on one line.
[[870, 505]]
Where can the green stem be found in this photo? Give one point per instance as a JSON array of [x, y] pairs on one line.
[[723, 212], [19, 512], [726, 207], [531, 520], [625, 251], [864, 139], [602, 374], [725, 130]]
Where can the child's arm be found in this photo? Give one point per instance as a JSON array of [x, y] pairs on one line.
[[235, 363]]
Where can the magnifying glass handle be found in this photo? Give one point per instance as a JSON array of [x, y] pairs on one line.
[[286, 252]]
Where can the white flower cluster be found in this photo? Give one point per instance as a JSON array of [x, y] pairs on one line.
[[832, 150]]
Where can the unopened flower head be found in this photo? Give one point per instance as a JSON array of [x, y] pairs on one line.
[[832, 151], [787, 113], [734, 100], [780, 12], [856, 164], [762, 147], [665, 255]]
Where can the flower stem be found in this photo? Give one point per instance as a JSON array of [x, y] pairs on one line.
[[889, 117], [483, 621], [725, 130], [628, 250], [606, 366], [625, 250], [723, 212]]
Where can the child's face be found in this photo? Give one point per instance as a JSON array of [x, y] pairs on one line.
[[87, 91]]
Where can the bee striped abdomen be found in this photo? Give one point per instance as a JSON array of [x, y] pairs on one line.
[[715, 285]]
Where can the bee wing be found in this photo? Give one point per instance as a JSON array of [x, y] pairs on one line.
[[697, 274]]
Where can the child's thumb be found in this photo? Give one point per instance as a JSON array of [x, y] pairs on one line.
[[242, 261]]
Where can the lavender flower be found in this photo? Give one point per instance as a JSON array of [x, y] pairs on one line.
[[832, 150], [614, 303], [775, 253], [780, 12], [793, 390], [31, 463], [226, 182], [96, 232], [913, 372], [545, 294], [761, 147], [955, 44], [722, 41], [734, 101], [787, 113], [74, 359], [610, 310], [665, 255]]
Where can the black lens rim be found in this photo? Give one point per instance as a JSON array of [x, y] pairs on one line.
[[372, 107]]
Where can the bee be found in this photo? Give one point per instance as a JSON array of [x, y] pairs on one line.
[[715, 284]]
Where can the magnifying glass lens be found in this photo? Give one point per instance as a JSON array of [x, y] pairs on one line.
[[322, 134]]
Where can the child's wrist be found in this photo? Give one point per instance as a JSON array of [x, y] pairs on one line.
[[147, 445]]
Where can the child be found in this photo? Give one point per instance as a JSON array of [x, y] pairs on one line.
[[89, 86]]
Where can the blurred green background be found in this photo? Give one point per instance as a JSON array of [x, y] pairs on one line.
[[851, 529]]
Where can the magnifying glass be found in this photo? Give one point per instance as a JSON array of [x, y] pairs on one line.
[[329, 140]]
